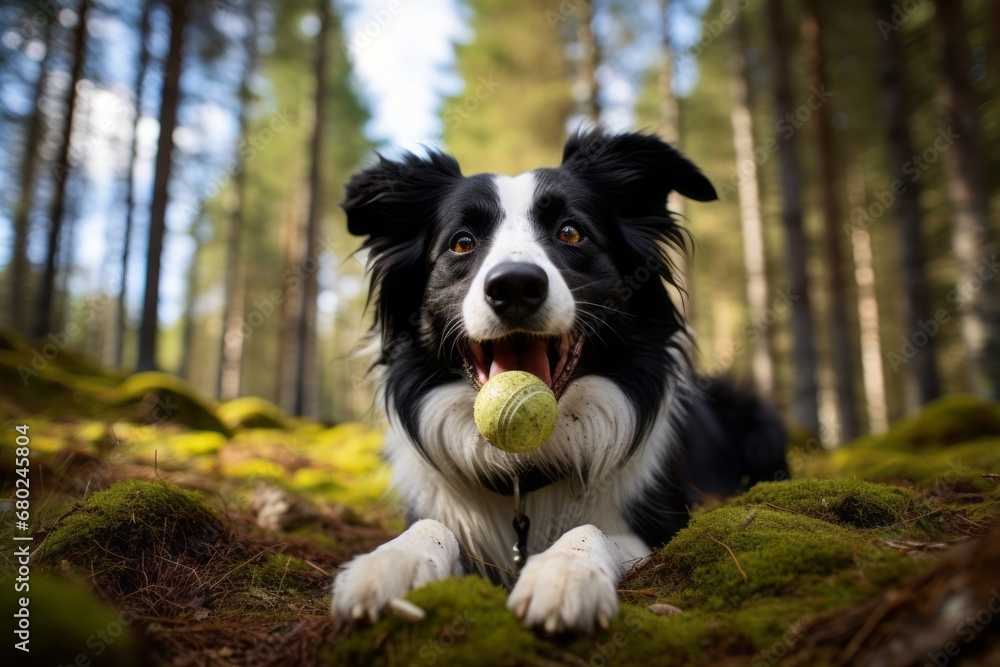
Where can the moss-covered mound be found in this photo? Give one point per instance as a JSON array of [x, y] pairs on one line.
[[41, 385], [950, 420], [468, 623], [252, 412], [161, 398], [847, 501], [959, 468], [123, 533], [734, 555], [744, 574]]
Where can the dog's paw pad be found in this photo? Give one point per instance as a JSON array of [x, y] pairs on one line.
[[564, 591]]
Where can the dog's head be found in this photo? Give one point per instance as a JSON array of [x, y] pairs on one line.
[[560, 272]]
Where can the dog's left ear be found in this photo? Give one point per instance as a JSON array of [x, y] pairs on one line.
[[637, 171]]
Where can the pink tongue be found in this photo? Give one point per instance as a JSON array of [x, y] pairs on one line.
[[525, 354]]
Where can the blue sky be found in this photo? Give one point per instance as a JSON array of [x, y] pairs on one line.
[[404, 62]]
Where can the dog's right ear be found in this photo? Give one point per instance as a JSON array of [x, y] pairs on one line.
[[397, 199]]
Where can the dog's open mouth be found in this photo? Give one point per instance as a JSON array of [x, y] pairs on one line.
[[551, 358]]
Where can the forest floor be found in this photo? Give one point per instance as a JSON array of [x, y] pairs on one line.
[[167, 529]]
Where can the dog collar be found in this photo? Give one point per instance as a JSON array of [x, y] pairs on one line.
[[527, 480]]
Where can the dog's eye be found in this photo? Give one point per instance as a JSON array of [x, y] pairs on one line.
[[569, 234], [462, 243]]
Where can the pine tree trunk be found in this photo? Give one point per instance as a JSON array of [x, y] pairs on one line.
[[26, 199], [872, 370], [292, 242], [115, 342], [590, 106], [670, 131], [149, 328], [805, 408], [188, 366], [46, 298], [973, 240], [748, 189], [923, 383], [306, 395], [840, 331], [232, 339]]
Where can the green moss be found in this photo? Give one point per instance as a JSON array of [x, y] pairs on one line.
[[949, 420], [66, 621], [163, 398], [743, 574], [45, 387], [847, 501], [776, 550], [11, 340], [114, 530], [467, 624], [988, 511], [192, 451], [77, 364], [253, 412], [960, 467]]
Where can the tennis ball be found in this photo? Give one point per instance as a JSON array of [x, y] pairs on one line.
[[516, 412]]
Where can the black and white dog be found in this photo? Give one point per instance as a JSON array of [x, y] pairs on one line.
[[563, 273]]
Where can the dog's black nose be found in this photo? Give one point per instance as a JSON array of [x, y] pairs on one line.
[[516, 289]]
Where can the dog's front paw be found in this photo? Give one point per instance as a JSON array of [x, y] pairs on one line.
[[367, 584], [564, 591]]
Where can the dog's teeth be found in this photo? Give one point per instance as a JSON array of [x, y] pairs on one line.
[[406, 610], [358, 612], [602, 621], [551, 625]]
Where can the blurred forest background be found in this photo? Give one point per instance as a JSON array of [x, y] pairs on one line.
[[170, 172]]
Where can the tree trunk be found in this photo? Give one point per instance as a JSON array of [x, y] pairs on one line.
[[116, 339], [805, 408], [189, 329], [670, 132], [26, 200], [590, 106], [306, 395], [922, 384], [973, 241], [841, 335], [43, 320], [292, 242], [748, 188], [149, 328], [232, 339], [872, 371]]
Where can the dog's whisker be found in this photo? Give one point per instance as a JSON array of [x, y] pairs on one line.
[[605, 307]]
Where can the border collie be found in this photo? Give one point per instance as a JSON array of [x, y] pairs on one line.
[[562, 273]]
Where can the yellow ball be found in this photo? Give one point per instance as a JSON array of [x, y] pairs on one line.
[[516, 412]]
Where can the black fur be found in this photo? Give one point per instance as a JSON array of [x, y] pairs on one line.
[[613, 187], [730, 441]]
